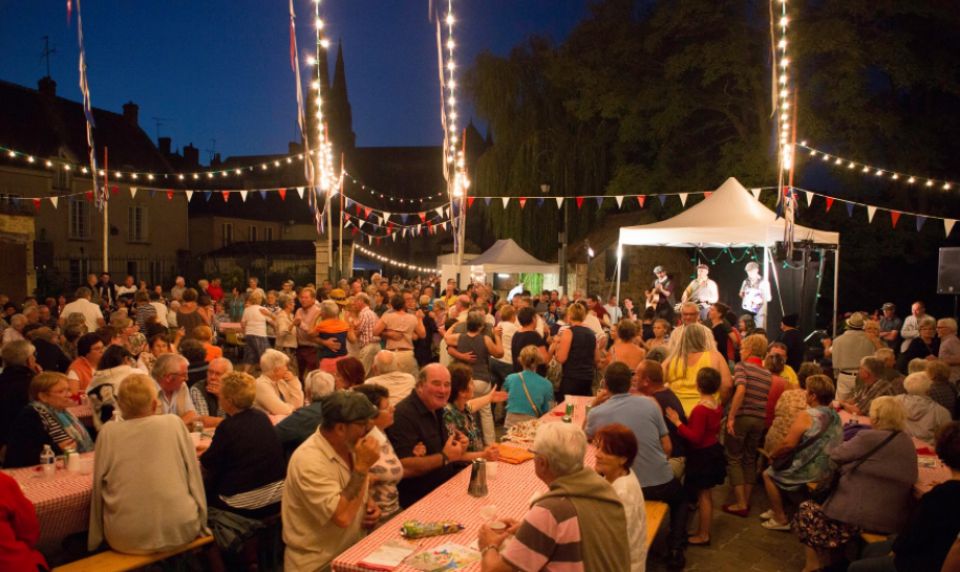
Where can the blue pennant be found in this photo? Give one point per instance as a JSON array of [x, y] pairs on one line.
[[849, 209], [347, 202], [263, 195], [404, 217], [153, 194], [207, 195], [920, 220], [486, 201], [662, 199], [599, 202], [540, 202]]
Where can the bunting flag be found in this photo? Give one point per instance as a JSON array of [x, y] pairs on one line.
[[282, 193], [226, 196], [423, 217], [36, 203], [263, 195], [439, 210], [359, 209], [101, 196], [504, 200], [849, 209], [920, 222], [362, 222], [894, 217], [641, 200], [470, 201], [809, 195], [133, 192], [367, 211], [189, 195], [829, 203], [114, 189], [579, 202], [539, 202], [403, 233], [300, 192], [756, 193], [153, 193], [706, 194], [948, 225], [89, 196], [354, 231], [386, 215], [559, 202], [243, 196], [683, 199], [486, 201], [619, 199], [599, 202], [207, 195], [662, 199], [870, 212], [169, 195], [523, 201], [55, 200]]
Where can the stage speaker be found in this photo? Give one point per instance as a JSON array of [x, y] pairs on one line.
[[948, 271]]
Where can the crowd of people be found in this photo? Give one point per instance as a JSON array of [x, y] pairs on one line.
[[333, 407]]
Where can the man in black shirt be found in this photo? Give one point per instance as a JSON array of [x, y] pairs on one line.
[[793, 339], [527, 335], [418, 419]]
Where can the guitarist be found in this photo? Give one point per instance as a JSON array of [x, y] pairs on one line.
[[660, 295], [702, 291]]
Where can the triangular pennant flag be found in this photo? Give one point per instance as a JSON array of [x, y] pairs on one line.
[[394, 237], [189, 195], [894, 217], [870, 212], [346, 217], [423, 217], [920, 221], [114, 189], [662, 199], [133, 192], [470, 201], [486, 201], [226, 195], [378, 240], [369, 239], [89, 196], [404, 217], [55, 200], [359, 209], [849, 209], [579, 202], [440, 209], [539, 202], [207, 195], [948, 225], [619, 200], [559, 202], [300, 192], [362, 222], [386, 215], [36, 203], [243, 195], [523, 201], [263, 194], [642, 199], [683, 199], [829, 203], [404, 232], [503, 200], [599, 202], [354, 231], [706, 194], [367, 211], [169, 195], [283, 194], [756, 193]]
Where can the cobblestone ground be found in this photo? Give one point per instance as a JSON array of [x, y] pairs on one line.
[[737, 544]]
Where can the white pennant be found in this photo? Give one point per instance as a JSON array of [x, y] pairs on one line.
[[133, 192], [300, 191], [505, 200], [870, 212], [55, 200], [619, 200], [809, 197], [393, 235], [243, 195], [948, 225], [683, 199], [386, 216], [189, 195], [755, 193], [559, 202], [362, 222], [439, 210], [404, 232]]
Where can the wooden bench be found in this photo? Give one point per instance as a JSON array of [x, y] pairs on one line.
[[111, 561], [655, 510], [870, 538]]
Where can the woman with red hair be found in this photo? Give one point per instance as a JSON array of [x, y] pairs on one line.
[[616, 449]]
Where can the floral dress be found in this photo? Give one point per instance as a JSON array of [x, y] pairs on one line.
[[385, 475], [791, 402], [812, 463], [465, 422]]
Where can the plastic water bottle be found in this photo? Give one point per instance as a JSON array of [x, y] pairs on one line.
[[116, 415], [48, 460]]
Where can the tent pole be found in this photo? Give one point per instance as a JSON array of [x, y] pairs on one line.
[[766, 276], [619, 264], [836, 284]]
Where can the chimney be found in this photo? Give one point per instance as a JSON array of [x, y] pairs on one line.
[[131, 111], [47, 86], [191, 156], [164, 144]]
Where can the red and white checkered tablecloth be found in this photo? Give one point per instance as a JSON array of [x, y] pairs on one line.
[[62, 501], [510, 491], [82, 411]]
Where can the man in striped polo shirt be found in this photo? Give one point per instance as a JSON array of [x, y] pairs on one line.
[[579, 524]]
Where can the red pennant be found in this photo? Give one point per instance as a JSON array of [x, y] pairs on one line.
[[894, 217], [114, 189], [707, 194], [523, 201], [423, 217], [226, 196], [169, 195], [36, 203], [642, 199], [283, 194], [89, 195], [470, 201], [829, 203], [367, 210], [378, 241], [359, 209], [346, 217], [579, 202], [429, 226], [389, 228], [354, 231]]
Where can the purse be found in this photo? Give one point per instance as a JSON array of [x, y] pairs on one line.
[[823, 491], [784, 461], [526, 392]]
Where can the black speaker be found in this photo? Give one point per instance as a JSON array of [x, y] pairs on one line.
[[948, 271]]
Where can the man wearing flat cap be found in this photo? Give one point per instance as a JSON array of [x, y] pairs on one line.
[[325, 497], [660, 294], [702, 291]]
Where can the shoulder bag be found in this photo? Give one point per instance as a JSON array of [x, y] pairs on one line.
[[526, 392]]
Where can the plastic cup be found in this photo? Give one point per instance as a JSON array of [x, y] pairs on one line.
[[491, 469]]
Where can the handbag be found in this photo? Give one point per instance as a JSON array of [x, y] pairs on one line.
[[829, 484], [526, 392], [784, 461]]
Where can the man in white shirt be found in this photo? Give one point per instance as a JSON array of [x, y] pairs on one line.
[[386, 372], [170, 371], [612, 308], [128, 288], [160, 307], [92, 314], [911, 324]]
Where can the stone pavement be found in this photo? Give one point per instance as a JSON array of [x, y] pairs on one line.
[[737, 544]]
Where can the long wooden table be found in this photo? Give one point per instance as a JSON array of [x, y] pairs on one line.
[[511, 491]]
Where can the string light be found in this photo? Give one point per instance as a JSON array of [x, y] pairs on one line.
[[783, 95], [875, 171], [387, 196], [454, 164], [396, 263]]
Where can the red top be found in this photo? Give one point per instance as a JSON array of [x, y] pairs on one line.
[[777, 386], [702, 426], [19, 529]]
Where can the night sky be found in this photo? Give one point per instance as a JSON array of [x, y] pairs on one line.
[[218, 69]]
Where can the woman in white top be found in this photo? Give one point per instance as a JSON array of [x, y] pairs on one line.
[[254, 326], [147, 489], [616, 448], [278, 390]]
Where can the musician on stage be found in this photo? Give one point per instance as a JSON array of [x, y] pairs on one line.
[[755, 293], [702, 291], [660, 294]]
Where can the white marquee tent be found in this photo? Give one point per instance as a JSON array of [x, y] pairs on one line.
[[730, 217], [506, 257]]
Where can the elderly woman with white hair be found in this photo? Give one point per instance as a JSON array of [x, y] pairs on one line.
[[15, 331], [303, 422], [278, 390], [145, 465], [923, 417], [579, 521], [949, 351]]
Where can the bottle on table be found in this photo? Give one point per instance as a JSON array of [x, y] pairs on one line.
[[48, 460]]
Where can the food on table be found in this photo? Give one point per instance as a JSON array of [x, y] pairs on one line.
[[523, 432], [417, 529]]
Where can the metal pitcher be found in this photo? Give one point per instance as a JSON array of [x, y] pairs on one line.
[[478, 479]]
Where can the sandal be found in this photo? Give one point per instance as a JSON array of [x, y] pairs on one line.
[[691, 542], [741, 512]]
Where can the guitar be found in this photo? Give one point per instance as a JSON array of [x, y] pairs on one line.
[[653, 298]]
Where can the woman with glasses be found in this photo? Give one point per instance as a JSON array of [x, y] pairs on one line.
[[46, 421]]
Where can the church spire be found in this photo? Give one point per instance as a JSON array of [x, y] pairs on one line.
[[340, 114]]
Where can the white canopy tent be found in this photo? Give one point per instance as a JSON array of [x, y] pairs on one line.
[[730, 217], [507, 257]]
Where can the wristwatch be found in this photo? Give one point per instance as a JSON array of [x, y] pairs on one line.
[[444, 459], [483, 551]]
